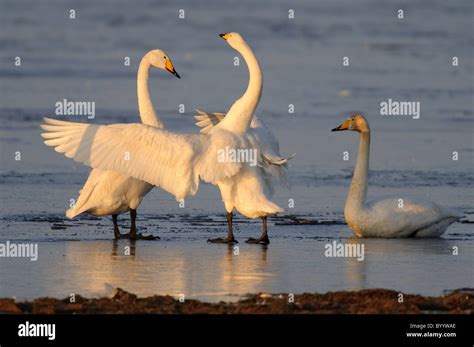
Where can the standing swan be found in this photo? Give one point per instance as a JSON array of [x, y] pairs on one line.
[[388, 217], [110, 192], [177, 162], [249, 193]]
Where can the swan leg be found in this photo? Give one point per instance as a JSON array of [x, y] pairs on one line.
[[133, 227], [263, 240], [116, 228], [133, 235], [230, 234]]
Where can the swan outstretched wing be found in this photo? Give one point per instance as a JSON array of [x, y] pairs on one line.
[[207, 121], [214, 164], [144, 152]]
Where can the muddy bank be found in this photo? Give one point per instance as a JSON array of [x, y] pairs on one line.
[[370, 301]]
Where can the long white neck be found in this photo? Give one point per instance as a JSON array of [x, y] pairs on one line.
[[358, 189], [145, 105], [240, 115]]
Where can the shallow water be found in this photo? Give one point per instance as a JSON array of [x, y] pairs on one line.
[[406, 60], [80, 257]]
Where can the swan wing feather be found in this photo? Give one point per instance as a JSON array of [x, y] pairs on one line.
[[273, 163], [207, 121], [144, 152]]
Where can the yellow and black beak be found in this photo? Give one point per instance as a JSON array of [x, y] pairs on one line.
[[343, 126], [169, 66], [225, 36]]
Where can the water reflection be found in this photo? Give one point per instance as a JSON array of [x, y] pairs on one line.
[[244, 269], [355, 270], [403, 263], [213, 272], [154, 268], [127, 250]]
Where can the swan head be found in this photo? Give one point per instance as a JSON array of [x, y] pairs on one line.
[[233, 39], [161, 60], [356, 122]]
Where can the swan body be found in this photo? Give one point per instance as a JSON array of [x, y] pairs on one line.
[[390, 217], [110, 192], [417, 218], [274, 163], [177, 162]]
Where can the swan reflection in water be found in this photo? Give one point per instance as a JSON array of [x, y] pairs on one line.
[[390, 263], [224, 272], [166, 269]]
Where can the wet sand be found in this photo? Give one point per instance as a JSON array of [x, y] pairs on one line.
[[369, 301]]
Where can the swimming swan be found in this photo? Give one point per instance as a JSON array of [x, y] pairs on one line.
[[394, 217], [111, 192], [177, 162]]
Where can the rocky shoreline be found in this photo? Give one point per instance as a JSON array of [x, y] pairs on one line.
[[368, 301]]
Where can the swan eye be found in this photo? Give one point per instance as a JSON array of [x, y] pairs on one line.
[[164, 57]]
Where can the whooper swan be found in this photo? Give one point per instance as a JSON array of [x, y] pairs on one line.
[[111, 192], [396, 217]]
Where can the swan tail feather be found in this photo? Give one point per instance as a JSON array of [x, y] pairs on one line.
[[274, 160], [85, 193], [276, 167]]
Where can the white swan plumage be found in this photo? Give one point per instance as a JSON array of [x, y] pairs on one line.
[[249, 192], [176, 162], [274, 163], [111, 192], [390, 217]]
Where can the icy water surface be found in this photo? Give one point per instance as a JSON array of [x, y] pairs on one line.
[[409, 60]]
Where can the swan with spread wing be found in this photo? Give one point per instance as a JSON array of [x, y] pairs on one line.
[[108, 192], [177, 162]]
